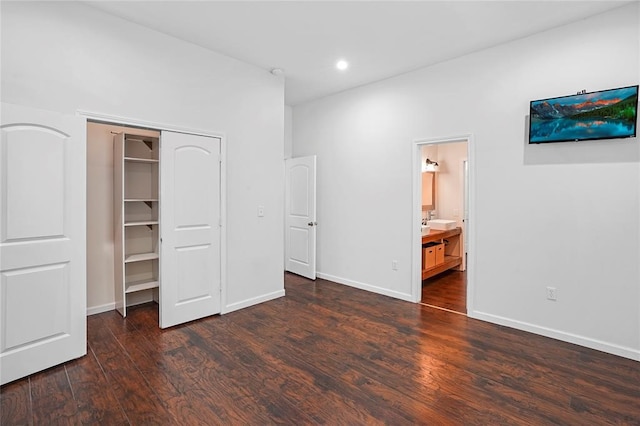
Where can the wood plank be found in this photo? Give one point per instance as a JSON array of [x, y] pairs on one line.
[[52, 397], [447, 290], [15, 403], [138, 400], [96, 402], [370, 367], [245, 367], [295, 384]]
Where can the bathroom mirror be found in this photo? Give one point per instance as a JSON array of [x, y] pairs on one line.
[[428, 191]]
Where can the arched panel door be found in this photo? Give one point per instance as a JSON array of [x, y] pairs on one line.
[[300, 216], [190, 228], [42, 240]]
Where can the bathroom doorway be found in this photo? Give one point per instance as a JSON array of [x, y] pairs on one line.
[[442, 203]]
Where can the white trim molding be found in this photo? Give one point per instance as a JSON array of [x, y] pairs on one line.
[[368, 287], [152, 125], [93, 310], [253, 301], [576, 339]]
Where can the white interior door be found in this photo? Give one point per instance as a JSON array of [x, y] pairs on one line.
[[300, 216], [42, 240], [190, 249]]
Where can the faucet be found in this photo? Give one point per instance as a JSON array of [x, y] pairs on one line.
[[430, 215]]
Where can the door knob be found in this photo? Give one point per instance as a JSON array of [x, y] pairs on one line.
[[312, 223]]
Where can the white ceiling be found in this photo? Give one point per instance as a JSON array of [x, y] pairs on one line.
[[380, 39]]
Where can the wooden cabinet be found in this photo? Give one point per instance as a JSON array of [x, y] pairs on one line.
[[441, 251], [136, 213]]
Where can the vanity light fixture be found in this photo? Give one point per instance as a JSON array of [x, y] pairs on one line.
[[342, 65], [431, 166]]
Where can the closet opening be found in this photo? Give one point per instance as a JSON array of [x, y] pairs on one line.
[[155, 220], [122, 216]]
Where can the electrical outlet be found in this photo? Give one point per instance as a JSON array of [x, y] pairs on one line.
[[260, 211], [551, 293], [394, 265]]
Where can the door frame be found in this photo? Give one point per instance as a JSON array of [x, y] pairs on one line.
[[416, 216], [125, 121]]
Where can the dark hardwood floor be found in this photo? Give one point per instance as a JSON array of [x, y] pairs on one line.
[[447, 290], [325, 354]]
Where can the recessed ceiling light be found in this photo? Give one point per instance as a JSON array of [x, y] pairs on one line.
[[342, 65]]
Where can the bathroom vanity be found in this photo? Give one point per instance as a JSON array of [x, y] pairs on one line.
[[441, 251]]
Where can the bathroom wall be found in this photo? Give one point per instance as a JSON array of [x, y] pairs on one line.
[[450, 196], [449, 178]]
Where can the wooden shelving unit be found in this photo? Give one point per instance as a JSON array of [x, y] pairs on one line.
[[452, 251], [136, 204]]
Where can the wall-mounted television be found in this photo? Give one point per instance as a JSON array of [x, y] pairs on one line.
[[607, 114]]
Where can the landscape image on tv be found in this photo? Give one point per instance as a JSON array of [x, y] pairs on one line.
[[607, 114]]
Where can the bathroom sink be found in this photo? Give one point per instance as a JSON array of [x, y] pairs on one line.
[[425, 229], [442, 224]]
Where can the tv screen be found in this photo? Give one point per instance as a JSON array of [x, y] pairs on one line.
[[607, 114]]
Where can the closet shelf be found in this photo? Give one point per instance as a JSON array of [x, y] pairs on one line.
[[141, 160], [142, 222], [140, 257], [137, 220], [134, 286]]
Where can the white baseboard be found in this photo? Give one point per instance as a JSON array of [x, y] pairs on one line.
[[138, 299], [587, 342], [368, 287], [93, 310], [253, 301]]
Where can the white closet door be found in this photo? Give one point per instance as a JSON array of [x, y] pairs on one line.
[[300, 216], [190, 227], [42, 240]]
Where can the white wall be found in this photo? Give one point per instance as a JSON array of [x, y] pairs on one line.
[[67, 56], [537, 222], [450, 192], [288, 131]]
